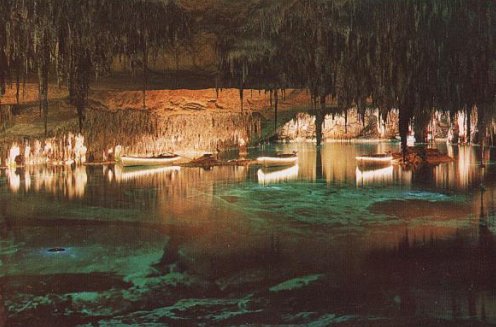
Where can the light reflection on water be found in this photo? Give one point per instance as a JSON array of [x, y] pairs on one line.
[[277, 175], [382, 175], [247, 229], [122, 174], [61, 180], [334, 163]]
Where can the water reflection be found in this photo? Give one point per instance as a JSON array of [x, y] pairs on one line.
[[464, 172], [410, 244], [14, 179], [463, 263], [271, 176], [122, 174], [65, 180], [374, 176], [334, 162]]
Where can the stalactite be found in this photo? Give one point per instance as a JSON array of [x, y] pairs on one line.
[[404, 124], [346, 121], [43, 67], [217, 85], [276, 101], [350, 54], [241, 95], [482, 125], [46, 35], [366, 60], [141, 131], [145, 71], [468, 118], [319, 120], [17, 83]]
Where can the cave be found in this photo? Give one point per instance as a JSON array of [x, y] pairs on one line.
[[247, 162]]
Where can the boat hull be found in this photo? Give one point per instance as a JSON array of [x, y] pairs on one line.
[[136, 161], [277, 161]]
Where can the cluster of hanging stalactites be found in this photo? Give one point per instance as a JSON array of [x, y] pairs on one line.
[[406, 54], [78, 39], [66, 150]]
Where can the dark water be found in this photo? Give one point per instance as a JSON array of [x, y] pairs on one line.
[[325, 242]]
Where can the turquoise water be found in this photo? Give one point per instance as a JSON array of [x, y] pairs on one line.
[[318, 243]]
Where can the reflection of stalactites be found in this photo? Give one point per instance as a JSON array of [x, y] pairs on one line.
[[47, 179], [467, 172], [376, 176], [74, 183], [14, 179], [110, 175], [464, 172], [27, 180], [405, 176], [80, 181], [441, 176], [127, 174], [270, 176], [71, 182], [337, 170], [464, 162]]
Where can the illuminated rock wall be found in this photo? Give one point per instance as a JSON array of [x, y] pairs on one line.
[[372, 126], [337, 126], [182, 100], [147, 132]]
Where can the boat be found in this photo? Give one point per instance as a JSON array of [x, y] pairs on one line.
[[166, 159], [375, 158], [284, 159]]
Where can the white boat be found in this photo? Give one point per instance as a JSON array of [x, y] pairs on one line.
[[128, 161], [375, 158], [285, 159]]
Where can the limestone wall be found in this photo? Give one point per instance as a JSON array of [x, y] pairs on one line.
[[147, 132], [337, 126]]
